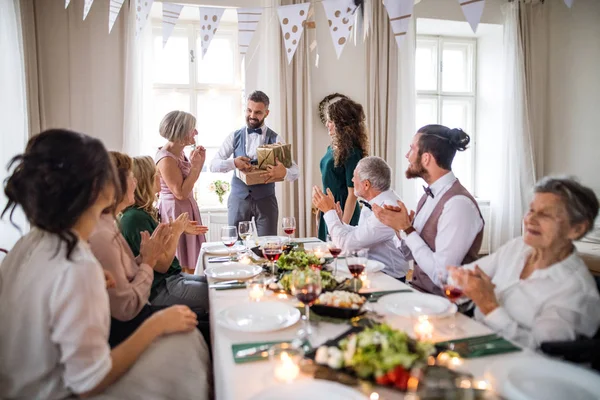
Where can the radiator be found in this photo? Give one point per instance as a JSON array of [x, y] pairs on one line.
[[215, 220]]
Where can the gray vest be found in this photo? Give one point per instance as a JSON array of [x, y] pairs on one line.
[[238, 188]]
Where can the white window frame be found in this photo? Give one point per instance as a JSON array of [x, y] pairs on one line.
[[441, 95]]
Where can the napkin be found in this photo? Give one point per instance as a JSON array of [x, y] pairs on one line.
[[480, 346], [261, 355]]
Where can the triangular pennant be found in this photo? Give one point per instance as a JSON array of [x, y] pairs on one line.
[[142, 11], [170, 16], [209, 22], [86, 8], [292, 19], [473, 10], [569, 3], [340, 20], [248, 19], [67, 2], [113, 12], [400, 13]]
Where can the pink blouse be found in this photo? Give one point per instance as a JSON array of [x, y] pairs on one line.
[[133, 279]]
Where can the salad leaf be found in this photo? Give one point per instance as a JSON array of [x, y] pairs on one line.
[[328, 282], [296, 259]]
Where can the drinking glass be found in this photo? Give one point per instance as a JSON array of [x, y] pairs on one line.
[[357, 262], [272, 250], [453, 291], [335, 252], [306, 286], [289, 226], [245, 230], [229, 235]]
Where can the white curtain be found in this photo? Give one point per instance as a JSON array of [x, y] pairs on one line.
[[525, 72], [13, 106]]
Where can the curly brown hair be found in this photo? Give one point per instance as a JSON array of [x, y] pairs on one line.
[[348, 118]]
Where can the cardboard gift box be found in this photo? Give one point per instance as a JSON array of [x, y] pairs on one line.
[[254, 177], [267, 153]]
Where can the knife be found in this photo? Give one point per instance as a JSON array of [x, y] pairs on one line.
[[252, 351]]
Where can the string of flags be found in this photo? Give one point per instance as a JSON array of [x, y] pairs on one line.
[[342, 16]]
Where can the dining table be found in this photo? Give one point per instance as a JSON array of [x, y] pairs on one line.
[[246, 380]]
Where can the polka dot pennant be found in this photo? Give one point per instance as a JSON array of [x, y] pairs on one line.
[[340, 20], [292, 19], [400, 13], [209, 22], [142, 11]]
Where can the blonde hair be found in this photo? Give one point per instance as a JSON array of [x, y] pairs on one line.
[[176, 125], [124, 165], [144, 171]]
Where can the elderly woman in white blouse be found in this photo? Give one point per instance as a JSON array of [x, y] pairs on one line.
[[536, 288]]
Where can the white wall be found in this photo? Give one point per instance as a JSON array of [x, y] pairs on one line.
[[573, 139], [451, 10]]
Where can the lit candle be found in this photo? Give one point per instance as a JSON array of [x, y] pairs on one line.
[[423, 328], [256, 292], [374, 396], [245, 260], [282, 296], [286, 369], [319, 253], [366, 283], [455, 362], [481, 385]]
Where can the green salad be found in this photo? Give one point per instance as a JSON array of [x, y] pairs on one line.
[[296, 259], [328, 282]]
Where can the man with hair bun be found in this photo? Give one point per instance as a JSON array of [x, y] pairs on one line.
[[447, 228]]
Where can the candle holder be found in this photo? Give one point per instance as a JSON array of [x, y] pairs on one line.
[[286, 361], [423, 328], [256, 288]]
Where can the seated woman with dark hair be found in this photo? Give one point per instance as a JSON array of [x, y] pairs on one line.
[[536, 288], [54, 306]]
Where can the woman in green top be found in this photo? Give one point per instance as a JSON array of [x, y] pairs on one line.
[[349, 144]]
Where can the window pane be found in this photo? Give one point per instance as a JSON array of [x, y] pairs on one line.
[[159, 105], [205, 197], [458, 113], [457, 67], [218, 64], [426, 111], [426, 64], [219, 114], [171, 64]]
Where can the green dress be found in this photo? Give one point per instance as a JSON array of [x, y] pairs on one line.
[[134, 221], [338, 180]]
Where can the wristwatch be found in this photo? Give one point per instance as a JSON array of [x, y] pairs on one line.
[[407, 231]]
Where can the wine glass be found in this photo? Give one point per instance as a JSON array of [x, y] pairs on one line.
[[453, 291], [335, 252], [272, 249], [306, 286], [229, 235], [245, 230], [289, 226], [357, 262]]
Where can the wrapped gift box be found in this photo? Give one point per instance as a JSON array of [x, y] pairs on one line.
[[267, 153], [253, 177]]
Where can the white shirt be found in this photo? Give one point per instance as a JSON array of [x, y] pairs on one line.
[[54, 320], [554, 303], [457, 228], [371, 234], [223, 163]]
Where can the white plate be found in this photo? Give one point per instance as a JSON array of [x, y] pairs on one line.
[[222, 250], [409, 304], [314, 389], [258, 317], [233, 270], [536, 377]]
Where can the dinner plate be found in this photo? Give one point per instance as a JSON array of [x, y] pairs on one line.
[[410, 304], [232, 270], [258, 317], [314, 389], [535, 377], [221, 249]]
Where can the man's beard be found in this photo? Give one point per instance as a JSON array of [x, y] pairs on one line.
[[253, 124], [416, 170]]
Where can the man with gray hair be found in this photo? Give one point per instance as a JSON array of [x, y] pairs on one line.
[[372, 179]]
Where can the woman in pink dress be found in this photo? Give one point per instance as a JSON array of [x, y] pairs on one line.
[[178, 177]]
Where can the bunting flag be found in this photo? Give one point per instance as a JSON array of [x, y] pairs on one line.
[[473, 9], [292, 19], [248, 19], [209, 22], [400, 13], [341, 21], [113, 12], [569, 3], [67, 2], [142, 11], [170, 14], [86, 8]]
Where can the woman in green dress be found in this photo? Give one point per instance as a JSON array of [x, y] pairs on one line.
[[349, 144]]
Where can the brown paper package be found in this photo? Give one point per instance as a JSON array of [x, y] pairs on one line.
[[267, 153], [254, 177]]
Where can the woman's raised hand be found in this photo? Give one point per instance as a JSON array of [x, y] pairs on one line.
[[153, 246]]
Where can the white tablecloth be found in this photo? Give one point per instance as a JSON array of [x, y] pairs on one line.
[[243, 381]]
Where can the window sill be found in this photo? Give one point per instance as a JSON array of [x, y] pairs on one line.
[[209, 209]]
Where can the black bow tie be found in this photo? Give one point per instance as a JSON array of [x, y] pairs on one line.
[[366, 204], [428, 191], [258, 131]]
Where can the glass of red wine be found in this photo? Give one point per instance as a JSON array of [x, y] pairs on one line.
[[453, 291], [335, 252], [272, 249], [289, 226], [306, 286], [229, 235], [357, 262]]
